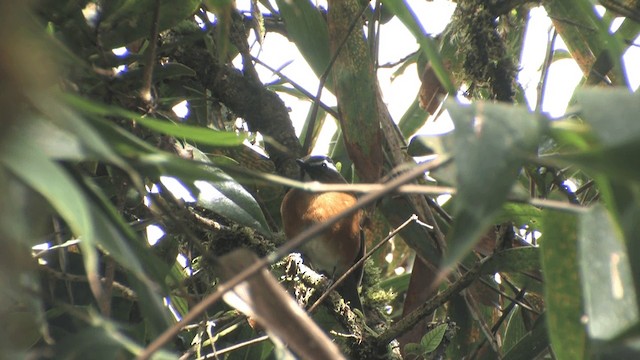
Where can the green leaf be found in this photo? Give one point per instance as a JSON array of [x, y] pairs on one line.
[[623, 200], [520, 214], [408, 61], [431, 340], [223, 9], [629, 29], [321, 116], [515, 330], [491, 143], [56, 142], [228, 198], [122, 141], [49, 179], [289, 90], [561, 54], [586, 47], [93, 218], [21, 327], [123, 22], [563, 295], [102, 339], [422, 145], [131, 251], [67, 119], [413, 118], [194, 133], [612, 114], [94, 342], [571, 134], [175, 280], [222, 195], [397, 284], [609, 293], [308, 30], [87, 221], [459, 312], [531, 345], [612, 147], [260, 350], [118, 239], [620, 163], [413, 348], [513, 260], [156, 316], [214, 189]]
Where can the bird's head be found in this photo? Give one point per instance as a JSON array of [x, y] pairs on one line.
[[320, 168]]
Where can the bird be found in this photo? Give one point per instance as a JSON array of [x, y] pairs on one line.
[[337, 249]]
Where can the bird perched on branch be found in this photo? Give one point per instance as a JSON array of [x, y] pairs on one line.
[[334, 251]]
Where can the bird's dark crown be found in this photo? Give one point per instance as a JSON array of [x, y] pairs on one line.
[[320, 168]]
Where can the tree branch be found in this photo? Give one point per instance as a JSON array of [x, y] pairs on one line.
[[262, 109], [406, 323]]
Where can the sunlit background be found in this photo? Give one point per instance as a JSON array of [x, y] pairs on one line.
[[396, 42], [399, 90]]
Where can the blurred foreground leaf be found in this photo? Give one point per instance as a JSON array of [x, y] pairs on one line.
[[563, 295], [491, 143], [609, 292]]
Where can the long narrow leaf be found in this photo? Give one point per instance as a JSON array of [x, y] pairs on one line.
[[308, 30], [492, 142], [559, 244], [195, 133]]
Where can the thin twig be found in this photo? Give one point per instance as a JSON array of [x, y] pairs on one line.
[[473, 308], [585, 187], [398, 62], [107, 280], [62, 255], [311, 97], [505, 295], [409, 321], [494, 329], [586, 28], [505, 313], [542, 85], [439, 210], [367, 188], [178, 223], [374, 33], [56, 247], [147, 75], [126, 292], [203, 326], [361, 261], [239, 40], [236, 347], [323, 79]]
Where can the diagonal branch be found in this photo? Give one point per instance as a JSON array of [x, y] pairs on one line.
[[407, 322], [262, 109]]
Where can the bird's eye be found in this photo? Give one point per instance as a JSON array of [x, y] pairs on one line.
[[328, 164]]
